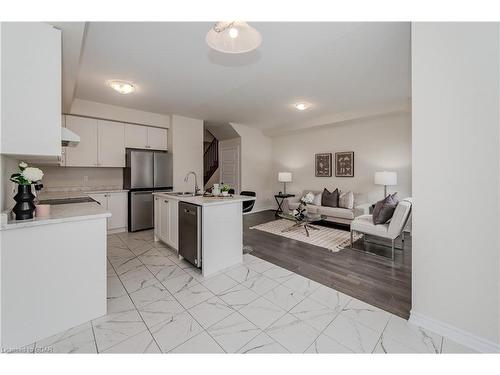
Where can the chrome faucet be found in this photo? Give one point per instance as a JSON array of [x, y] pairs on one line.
[[196, 188]]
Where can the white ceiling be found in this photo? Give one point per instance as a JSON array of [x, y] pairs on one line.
[[338, 67]]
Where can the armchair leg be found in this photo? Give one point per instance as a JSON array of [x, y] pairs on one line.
[[392, 249], [403, 237], [351, 239]]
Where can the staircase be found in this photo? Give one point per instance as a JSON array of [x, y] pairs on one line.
[[210, 160]]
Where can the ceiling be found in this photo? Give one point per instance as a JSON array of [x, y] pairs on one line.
[[338, 67]]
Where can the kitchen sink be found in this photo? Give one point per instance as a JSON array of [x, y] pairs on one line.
[[184, 194]]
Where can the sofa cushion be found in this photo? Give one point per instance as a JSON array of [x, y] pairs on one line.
[[384, 209], [330, 199], [317, 199], [364, 223], [346, 200], [342, 213]]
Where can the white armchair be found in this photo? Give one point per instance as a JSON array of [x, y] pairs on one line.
[[392, 230]]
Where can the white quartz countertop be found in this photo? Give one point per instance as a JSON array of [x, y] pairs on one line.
[[206, 201], [61, 213], [44, 195]]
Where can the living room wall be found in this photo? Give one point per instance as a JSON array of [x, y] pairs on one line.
[[379, 143]]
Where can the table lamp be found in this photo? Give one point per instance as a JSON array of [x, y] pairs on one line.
[[284, 177], [387, 179]]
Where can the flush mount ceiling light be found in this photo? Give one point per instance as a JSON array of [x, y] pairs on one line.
[[233, 37], [123, 87], [302, 106]]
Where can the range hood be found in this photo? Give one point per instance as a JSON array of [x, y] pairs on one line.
[[68, 138]]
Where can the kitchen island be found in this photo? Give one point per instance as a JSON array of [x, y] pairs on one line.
[[220, 227], [53, 272]]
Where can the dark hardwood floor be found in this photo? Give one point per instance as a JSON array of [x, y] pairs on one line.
[[372, 279]]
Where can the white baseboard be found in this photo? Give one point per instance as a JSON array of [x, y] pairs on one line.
[[260, 209], [118, 230], [453, 333]]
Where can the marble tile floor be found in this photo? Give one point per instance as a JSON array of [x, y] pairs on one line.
[[159, 304]]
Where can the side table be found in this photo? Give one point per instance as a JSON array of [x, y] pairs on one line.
[[280, 198]]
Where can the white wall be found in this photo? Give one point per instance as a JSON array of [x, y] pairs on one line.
[[380, 143], [187, 151], [112, 112], [456, 181], [256, 153]]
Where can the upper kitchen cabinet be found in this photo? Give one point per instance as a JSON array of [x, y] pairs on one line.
[[30, 89], [85, 154], [145, 137], [110, 144]]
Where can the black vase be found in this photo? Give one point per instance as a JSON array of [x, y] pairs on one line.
[[24, 207]]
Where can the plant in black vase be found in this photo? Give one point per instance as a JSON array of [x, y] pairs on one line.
[[301, 211], [24, 198]]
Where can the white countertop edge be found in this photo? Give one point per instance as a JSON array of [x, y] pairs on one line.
[[207, 201], [37, 223]]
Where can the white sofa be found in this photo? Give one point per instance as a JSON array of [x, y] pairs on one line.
[[333, 214]]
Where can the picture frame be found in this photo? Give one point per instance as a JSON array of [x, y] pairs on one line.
[[344, 164], [323, 164]]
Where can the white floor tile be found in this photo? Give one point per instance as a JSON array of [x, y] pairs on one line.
[[233, 332], [262, 312], [175, 331], [325, 344], [168, 272], [284, 297], [260, 266], [136, 279], [211, 311], [414, 337], [141, 343], [238, 296], [451, 347], [219, 283], [160, 311], [301, 285], [241, 273], [260, 284], [127, 265], [194, 295], [294, 334], [201, 343], [262, 344], [278, 274], [115, 287], [331, 298], [352, 334], [150, 294], [313, 313], [120, 304], [153, 258], [366, 314], [179, 283], [75, 340], [386, 345]]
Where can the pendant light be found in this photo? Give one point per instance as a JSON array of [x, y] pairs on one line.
[[233, 37]]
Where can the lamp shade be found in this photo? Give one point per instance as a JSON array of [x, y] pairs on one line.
[[386, 178], [284, 177]]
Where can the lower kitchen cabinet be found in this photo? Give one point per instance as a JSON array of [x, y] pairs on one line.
[[117, 204], [166, 221]]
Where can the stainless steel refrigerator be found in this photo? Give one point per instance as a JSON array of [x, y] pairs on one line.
[[145, 172]]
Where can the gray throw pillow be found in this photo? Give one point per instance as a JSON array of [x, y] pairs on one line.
[[384, 209], [330, 199]]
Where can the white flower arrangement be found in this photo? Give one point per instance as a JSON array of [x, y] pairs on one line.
[[27, 175], [308, 198]]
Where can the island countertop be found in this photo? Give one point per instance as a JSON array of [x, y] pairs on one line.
[[59, 214], [206, 201]]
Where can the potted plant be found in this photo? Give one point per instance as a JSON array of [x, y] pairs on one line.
[[24, 198], [225, 190]]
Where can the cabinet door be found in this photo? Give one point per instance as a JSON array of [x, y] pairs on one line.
[[136, 136], [85, 154], [110, 144], [117, 204], [164, 220], [157, 138], [173, 228], [157, 215]]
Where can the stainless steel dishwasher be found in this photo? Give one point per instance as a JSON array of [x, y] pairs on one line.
[[190, 233]]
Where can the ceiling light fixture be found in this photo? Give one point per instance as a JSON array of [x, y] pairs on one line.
[[301, 106], [233, 37], [123, 87]]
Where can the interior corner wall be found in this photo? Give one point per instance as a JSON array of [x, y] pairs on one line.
[[456, 154], [256, 154], [187, 151], [379, 143]]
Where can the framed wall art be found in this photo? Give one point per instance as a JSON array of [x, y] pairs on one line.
[[344, 164], [323, 165]]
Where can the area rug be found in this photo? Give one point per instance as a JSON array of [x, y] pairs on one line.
[[328, 238]]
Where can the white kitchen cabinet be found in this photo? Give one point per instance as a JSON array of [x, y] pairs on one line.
[[85, 153], [145, 137], [136, 136], [117, 204], [157, 138], [30, 90], [166, 221], [110, 144]]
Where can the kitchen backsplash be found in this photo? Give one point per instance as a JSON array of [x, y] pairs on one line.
[[77, 179]]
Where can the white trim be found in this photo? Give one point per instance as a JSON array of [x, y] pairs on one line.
[[117, 230], [260, 209], [453, 333]]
